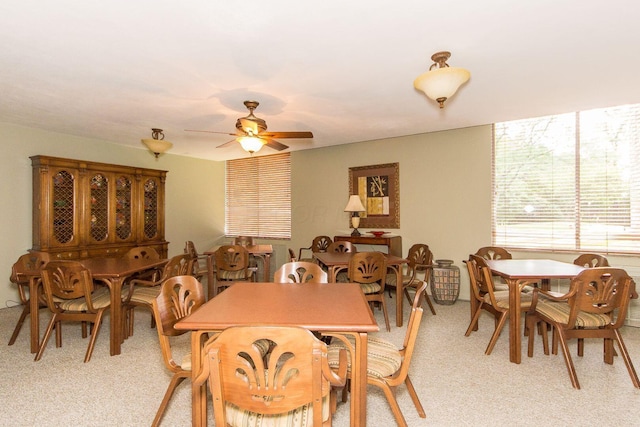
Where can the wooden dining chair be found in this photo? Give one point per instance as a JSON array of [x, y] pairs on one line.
[[141, 292], [369, 269], [292, 256], [145, 252], [594, 307], [200, 269], [591, 260], [231, 265], [319, 244], [72, 296], [27, 268], [300, 272], [493, 252], [488, 299], [419, 268], [179, 296], [342, 247], [291, 385], [388, 366]]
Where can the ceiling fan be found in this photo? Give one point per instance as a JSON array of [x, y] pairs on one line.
[[252, 133]]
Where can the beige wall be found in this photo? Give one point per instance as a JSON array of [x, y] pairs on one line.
[[194, 191]]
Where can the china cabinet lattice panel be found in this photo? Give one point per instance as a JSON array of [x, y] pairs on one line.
[[83, 209]]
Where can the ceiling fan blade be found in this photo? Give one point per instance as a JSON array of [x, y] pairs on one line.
[[249, 126], [271, 143], [226, 144], [210, 131], [287, 134]]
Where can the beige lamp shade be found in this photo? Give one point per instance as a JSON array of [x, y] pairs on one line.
[[441, 82], [157, 146], [251, 144], [354, 204]]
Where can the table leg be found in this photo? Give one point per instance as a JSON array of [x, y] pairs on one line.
[[34, 313], [211, 291], [115, 285], [514, 321], [266, 268], [198, 393]]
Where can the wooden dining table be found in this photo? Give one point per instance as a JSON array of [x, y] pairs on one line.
[[261, 251], [113, 271], [336, 262], [518, 273], [332, 309]]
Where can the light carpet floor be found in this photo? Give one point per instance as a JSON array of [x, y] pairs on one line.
[[457, 384]]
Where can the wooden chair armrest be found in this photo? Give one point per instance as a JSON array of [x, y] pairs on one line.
[[337, 379], [300, 252]]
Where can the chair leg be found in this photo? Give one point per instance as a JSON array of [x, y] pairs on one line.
[[94, 335], [428, 300], [414, 397], [496, 333], [531, 321], [45, 338], [175, 382], [567, 359], [474, 321], [16, 331], [627, 360], [386, 315], [395, 408]]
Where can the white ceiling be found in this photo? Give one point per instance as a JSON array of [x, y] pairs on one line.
[[341, 69]]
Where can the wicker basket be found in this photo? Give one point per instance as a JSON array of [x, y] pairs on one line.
[[445, 282]]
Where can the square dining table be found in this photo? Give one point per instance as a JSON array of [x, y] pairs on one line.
[[261, 251], [336, 262], [333, 309], [520, 272], [115, 271]]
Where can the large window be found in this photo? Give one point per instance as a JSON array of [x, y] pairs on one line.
[[258, 197], [568, 182]]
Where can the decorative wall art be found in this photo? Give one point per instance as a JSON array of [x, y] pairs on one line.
[[379, 189]]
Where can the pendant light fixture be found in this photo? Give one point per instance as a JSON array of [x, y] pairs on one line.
[[441, 81], [157, 145]]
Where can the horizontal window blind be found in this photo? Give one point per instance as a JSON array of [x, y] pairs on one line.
[[568, 182], [258, 197]]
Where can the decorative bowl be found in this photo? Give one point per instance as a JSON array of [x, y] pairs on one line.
[[378, 233]]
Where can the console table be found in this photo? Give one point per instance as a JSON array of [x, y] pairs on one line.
[[393, 243]]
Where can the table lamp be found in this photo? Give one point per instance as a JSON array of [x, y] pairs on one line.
[[355, 207]]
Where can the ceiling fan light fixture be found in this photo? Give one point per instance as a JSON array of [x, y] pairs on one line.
[[251, 144], [156, 144], [441, 81]]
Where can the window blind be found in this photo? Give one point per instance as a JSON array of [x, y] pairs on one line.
[[568, 182], [258, 197]]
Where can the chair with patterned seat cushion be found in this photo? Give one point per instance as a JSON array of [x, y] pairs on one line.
[[71, 295], [25, 270], [141, 293], [594, 307], [369, 269], [342, 247], [488, 299], [388, 366], [493, 252], [419, 267], [179, 296], [300, 272], [319, 244], [145, 252], [231, 265], [290, 386]]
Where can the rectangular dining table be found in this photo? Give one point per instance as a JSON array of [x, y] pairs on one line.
[[114, 271], [518, 273], [336, 262], [333, 309], [261, 251]]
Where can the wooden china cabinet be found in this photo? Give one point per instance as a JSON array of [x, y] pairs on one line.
[[87, 209]]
